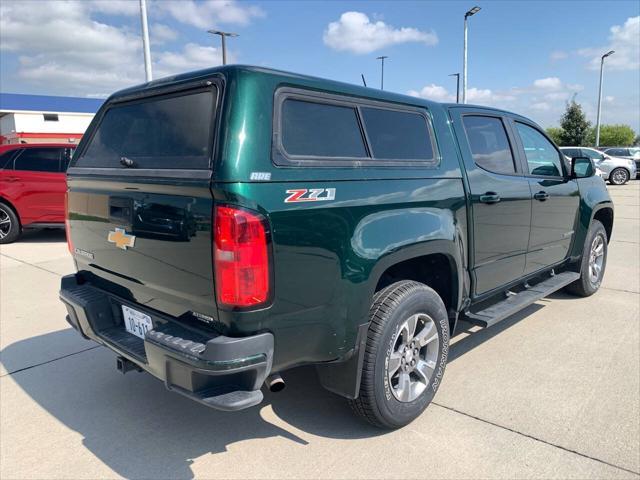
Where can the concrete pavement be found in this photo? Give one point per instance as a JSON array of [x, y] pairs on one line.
[[553, 392]]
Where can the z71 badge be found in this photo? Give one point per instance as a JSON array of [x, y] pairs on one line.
[[310, 195]]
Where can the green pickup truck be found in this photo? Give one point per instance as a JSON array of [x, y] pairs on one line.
[[232, 223]]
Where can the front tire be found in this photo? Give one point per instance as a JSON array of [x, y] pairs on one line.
[[9, 224], [593, 263], [405, 354], [619, 176]]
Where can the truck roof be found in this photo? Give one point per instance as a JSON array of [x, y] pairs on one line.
[[292, 78], [283, 76]]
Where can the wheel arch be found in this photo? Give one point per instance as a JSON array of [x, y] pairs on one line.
[[449, 281], [604, 215]]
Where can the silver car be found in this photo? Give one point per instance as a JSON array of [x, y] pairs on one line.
[[617, 170], [625, 152]]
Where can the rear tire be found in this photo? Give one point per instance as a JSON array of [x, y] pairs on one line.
[[619, 176], [405, 354], [593, 262], [9, 224]]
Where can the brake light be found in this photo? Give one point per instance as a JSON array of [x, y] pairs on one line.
[[241, 261], [67, 225]]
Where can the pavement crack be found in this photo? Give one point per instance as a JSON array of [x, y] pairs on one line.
[[489, 422], [31, 264], [620, 290], [49, 361]]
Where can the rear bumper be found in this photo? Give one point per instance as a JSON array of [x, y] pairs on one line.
[[221, 372]]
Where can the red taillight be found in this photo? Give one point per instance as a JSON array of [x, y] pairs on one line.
[[67, 226], [241, 260]]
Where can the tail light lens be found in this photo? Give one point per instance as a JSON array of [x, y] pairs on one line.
[[67, 226], [241, 261]]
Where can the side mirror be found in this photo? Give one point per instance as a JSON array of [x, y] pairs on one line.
[[582, 167]]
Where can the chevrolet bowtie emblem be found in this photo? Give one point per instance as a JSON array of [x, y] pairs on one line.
[[121, 238]]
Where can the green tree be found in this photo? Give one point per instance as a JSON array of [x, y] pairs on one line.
[[574, 125], [616, 135], [612, 136], [555, 133]]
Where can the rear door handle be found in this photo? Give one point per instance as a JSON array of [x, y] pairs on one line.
[[490, 197], [542, 196], [11, 179]]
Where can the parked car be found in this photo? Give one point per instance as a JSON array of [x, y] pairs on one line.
[[617, 170], [338, 226], [630, 153], [32, 187]]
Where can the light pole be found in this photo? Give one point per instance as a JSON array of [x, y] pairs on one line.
[[473, 11], [610, 52], [223, 36], [457, 75], [382, 73], [145, 40]]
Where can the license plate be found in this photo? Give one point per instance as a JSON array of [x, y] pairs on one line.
[[135, 322]]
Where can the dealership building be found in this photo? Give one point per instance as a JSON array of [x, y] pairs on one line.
[[44, 119]]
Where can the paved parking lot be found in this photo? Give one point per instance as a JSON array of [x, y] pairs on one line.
[[553, 392]]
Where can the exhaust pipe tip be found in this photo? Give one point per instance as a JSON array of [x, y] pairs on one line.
[[275, 383]]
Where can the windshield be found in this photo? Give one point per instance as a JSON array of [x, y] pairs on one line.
[[172, 131]]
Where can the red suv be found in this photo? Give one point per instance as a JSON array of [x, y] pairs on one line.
[[32, 187]]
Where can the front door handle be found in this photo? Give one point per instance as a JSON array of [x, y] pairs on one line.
[[542, 196], [11, 179], [490, 197]]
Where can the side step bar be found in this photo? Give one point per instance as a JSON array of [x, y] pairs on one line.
[[514, 303]]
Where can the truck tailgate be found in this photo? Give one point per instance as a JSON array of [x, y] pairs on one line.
[[147, 239]]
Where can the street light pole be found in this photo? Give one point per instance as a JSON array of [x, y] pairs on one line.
[[457, 75], [382, 73], [610, 52], [471, 12], [145, 41], [223, 36]]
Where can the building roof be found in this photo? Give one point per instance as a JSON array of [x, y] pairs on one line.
[[17, 102]]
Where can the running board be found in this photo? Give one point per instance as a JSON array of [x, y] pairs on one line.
[[514, 303]]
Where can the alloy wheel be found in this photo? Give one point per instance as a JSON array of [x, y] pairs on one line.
[[413, 359], [5, 223], [596, 259], [620, 176]]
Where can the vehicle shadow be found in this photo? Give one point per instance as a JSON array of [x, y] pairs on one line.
[[141, 430], [37, 235]]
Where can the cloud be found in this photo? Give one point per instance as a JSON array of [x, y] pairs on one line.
[[355, 32], [625, 40], [484, 96], [192, 57], [160, 33], [487, 96], [433, 92], [65, 50], [210, 13], [557, 55], [549, 83]]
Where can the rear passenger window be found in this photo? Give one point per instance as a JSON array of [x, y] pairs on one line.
[[395, 135], [38, 160], [156, 132], [489, 144], [5, 160], [321, 130], [542, 157]]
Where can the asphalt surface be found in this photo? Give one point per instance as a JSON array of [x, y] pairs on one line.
[[552, 392]]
